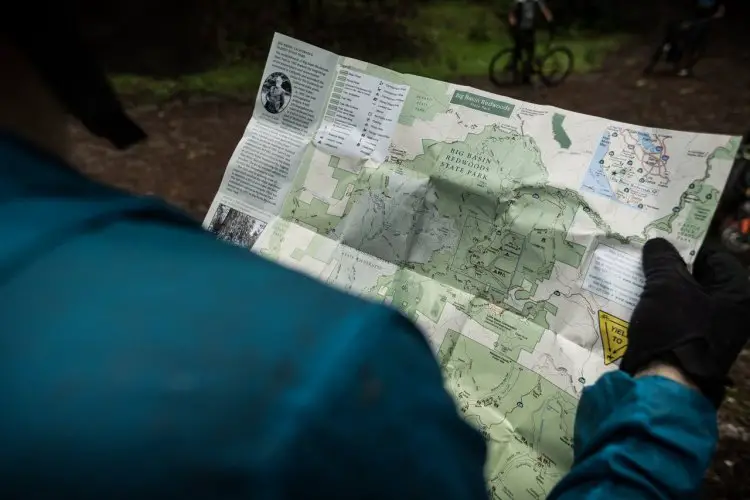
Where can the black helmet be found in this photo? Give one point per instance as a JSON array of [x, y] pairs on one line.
[[46, 33]]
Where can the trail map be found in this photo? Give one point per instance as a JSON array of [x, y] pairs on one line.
[[509, 232]]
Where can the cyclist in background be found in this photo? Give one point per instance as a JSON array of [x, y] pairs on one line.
[[696, 36], [522, 19]]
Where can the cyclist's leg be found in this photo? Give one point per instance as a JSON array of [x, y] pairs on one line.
[[701, 39], [516, 49], [683, 43], [673, 32], [515, 61], [528, 60], [698, 42], [689, 51], [674, 41], [665, 48]]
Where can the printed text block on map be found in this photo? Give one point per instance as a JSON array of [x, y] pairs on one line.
[[361, 116], [485, 104], [615, 275]]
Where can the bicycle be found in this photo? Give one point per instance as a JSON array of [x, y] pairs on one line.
[[552, 66]]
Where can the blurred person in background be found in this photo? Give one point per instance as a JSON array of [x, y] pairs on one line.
[[523, 18], [697, 33], [685, 41], [142, 358]]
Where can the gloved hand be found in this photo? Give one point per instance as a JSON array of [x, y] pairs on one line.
[[698, 323]]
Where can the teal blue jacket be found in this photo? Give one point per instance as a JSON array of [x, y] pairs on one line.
[[141, 358]]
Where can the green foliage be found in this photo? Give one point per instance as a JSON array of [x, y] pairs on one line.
[[441, 39], [479, 31], [465, 36], [235, 81]]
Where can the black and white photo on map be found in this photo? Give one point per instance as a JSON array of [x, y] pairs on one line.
[[236, 227], [276, 92]]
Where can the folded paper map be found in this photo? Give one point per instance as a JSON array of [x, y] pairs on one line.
[[510, 232]]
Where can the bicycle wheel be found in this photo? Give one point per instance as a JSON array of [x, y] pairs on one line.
[[502, 70], [555, 66]]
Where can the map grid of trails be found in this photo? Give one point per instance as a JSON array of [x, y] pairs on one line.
[[509, 232]]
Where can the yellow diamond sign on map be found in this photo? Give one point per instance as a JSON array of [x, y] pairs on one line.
[[614, 332]]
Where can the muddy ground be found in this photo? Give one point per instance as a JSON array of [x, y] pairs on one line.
[[190, 143]]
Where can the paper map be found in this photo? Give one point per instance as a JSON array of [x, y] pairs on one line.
[[509, 232]]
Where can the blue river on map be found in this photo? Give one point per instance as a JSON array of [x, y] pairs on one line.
[[647, 143]]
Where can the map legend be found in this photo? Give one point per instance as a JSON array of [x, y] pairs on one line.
[[361, 116]]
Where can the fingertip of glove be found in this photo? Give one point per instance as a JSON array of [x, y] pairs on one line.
[[658, 253], [658, 245]]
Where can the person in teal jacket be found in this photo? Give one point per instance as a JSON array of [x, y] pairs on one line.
[[141, 358]]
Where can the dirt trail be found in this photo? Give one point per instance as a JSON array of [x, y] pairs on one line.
[[184, 158], [190, 144], [717, 100]]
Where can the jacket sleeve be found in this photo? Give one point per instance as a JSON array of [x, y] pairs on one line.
[[648, 437]]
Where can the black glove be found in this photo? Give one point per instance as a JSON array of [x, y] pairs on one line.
[[698, 323]]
